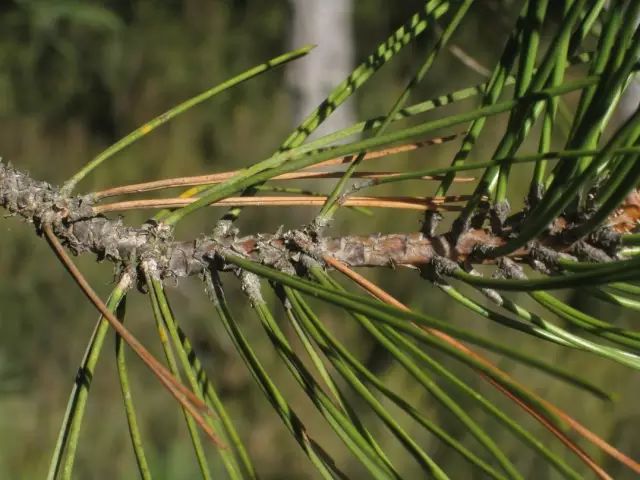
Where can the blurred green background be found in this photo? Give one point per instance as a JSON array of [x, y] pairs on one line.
[[75, 77]]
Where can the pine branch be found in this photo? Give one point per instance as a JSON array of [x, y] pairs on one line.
[[77, 225]]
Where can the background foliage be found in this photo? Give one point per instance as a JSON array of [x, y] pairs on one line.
[[75, 77]]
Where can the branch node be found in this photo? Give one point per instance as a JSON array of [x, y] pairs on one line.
[[543, 259], [320, 223], [225, 229], [499, 213], [438, 268], [250, 284], [590, 253], [431, 221], [507, 268], [606, 239]]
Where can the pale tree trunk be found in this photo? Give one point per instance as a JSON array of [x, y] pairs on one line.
[[327, 24], [630, 100]]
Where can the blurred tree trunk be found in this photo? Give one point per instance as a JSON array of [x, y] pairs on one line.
[[631, 97], [327, 24]]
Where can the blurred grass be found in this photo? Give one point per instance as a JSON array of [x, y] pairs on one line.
[[72, 81]]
